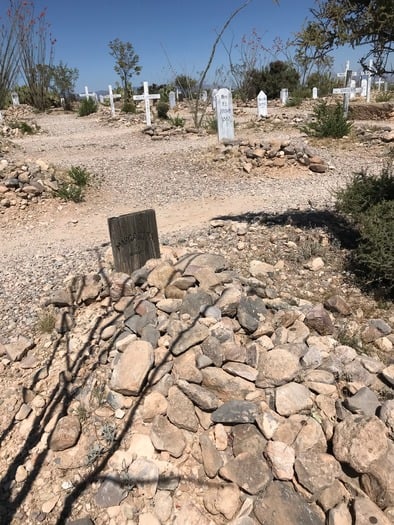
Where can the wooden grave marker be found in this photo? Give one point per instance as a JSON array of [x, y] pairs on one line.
[[134, 240]]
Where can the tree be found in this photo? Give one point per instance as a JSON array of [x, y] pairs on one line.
[[367, 23], [63, 82], [9, 60], [126, 64], [35, 47], [186, 84]]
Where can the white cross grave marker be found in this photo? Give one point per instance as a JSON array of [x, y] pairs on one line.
[[146, 97], [214, 93], [343, 75], [346, 92], [364, 87], [224, 114], [379, 82], [262, 104], [111, 100]]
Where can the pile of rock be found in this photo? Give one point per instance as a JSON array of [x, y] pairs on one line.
[[165, 131], [234, 406], [23, 183], [275, 153]]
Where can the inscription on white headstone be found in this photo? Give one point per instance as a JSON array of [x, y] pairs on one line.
[[171, 99], [262, 110], [15, 98], [224, 114], [146, 97]]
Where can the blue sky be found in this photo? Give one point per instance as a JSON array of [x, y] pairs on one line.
[[170, 36]]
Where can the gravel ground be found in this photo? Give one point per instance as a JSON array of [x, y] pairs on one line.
[[178, 177]]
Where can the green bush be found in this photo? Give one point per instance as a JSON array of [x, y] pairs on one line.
[[87, 107], [211, 125], [79, 176], [129, 107], [329, 122], [375, 252], [72, 190], [369, 202], [177, 121], [25, 128], [365, 191], [162, 109]]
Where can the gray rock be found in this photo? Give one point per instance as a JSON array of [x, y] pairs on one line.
[[235, 411], [277, 367], [212, 348], [360, 441], [180, 410], [111, 492], [132, 367], [316, 470], [200, 395], [144, 474], [336, 303], [388, 374], [195, 303], [66, 433], [280, 504], [281, 457], [192, 336], [166, 436], [317, 318], [292, 398], [241, 370], [247, 438], [252, 474], [364, 402], [217, 263], [224, 385], [229, 300], [150, 334], [250, 311], [211, 458], [366, 512], [80, 521]]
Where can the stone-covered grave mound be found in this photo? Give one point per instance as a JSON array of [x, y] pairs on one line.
[[199, 399]]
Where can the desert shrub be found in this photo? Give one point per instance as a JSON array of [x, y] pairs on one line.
[[329, 121], [211, 125], [79, 176], [46, 321], [129, 107], [177, 121], [365, 191], [25, 128], [369, 203], [375, 252], [294, 101], [87, 107], [72, 189], [384, 97], [162, 109]]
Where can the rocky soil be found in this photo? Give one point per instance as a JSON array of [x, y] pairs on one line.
[[249, 386]]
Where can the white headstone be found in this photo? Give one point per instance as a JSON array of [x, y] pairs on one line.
[[15, 98], [284, 95], [364, 87], [146, 97], [111, 100], [1, 117], [224, 114], [314, 93], [214, 93], [204, 96], [171, 99], [353, 89], [101, 99], [262, 110]]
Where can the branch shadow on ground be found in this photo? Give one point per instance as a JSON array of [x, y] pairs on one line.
[[13, 495], [337, 226]]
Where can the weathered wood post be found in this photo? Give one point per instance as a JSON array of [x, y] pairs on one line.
[[134, 240]]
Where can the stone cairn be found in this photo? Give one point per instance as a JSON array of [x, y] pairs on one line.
[[210, 401]]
